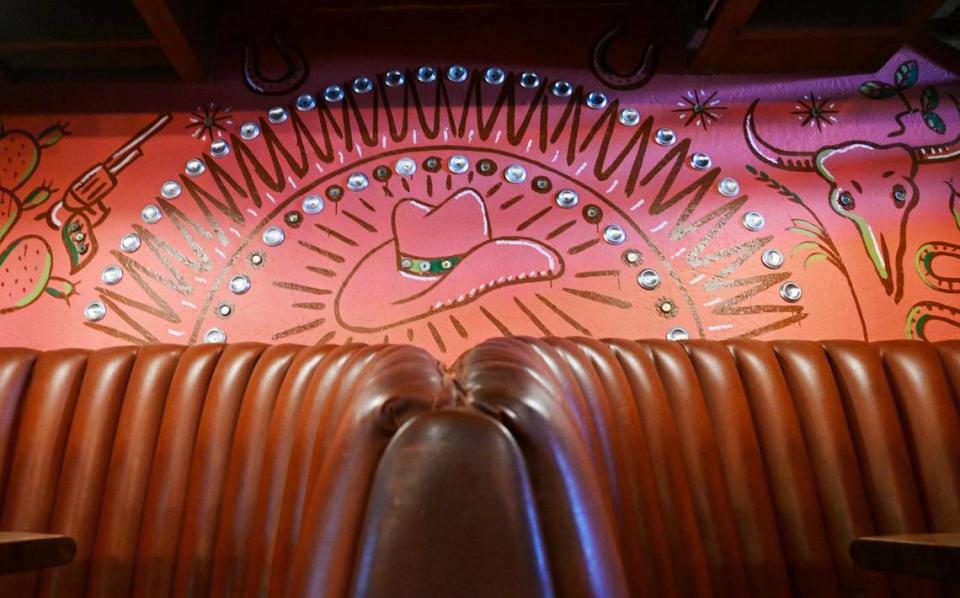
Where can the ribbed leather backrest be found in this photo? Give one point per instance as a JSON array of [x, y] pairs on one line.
[[553, 467], [735, 468], [209, 470]]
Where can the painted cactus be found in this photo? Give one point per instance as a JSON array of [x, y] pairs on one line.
[[25, 268], [26, 263]]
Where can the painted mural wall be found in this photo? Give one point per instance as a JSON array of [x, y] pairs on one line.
[[316, 196]]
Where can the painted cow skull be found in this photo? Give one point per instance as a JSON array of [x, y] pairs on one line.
[[847, 168]]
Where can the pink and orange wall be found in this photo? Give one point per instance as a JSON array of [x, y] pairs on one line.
[[328, 189]]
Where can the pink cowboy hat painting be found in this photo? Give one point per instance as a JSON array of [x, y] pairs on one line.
[[440, 257]]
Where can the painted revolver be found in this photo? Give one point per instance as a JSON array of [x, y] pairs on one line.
[[853, 186], [82, 207]]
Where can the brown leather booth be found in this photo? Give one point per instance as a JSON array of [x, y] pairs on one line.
[[554, 467]]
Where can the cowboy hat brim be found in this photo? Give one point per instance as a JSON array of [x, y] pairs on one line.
[[376, 295]]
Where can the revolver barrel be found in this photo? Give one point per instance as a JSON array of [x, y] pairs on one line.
[[130, 151]]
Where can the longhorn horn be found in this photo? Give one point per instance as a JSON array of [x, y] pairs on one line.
[[787, 160], [943, 152], [940, 152]]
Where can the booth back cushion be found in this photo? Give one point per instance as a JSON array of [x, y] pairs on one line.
[[733, 468], [536, 467], [208, 470]]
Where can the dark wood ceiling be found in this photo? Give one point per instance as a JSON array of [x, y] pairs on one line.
[[113, 39], [169, 39], [761, 36]]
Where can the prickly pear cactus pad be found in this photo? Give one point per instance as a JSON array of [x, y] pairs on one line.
[[25, 261], [352, 186]]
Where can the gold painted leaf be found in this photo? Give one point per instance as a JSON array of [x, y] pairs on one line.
[[814, 257], [805, 232], [804, 246], [811, 226]]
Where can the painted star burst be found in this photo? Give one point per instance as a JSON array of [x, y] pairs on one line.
[[209, 120], [699, 107], [816, 111]]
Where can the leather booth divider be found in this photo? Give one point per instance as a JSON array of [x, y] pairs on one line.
[[567, 467]]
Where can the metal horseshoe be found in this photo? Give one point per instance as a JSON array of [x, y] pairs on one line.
[[633, 79], [289, 80]]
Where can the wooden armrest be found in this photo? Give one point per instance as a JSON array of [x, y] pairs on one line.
[[935, 556], [26, 551]]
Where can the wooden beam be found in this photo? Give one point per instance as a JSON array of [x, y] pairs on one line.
[[178, 38], [937, 50], [727, 22], [807, 43], [42, 45], [918, 13]]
